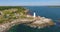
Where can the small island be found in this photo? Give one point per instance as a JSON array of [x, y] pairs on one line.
[[14, 15]]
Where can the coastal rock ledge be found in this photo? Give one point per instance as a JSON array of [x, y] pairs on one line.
[[39, 22]]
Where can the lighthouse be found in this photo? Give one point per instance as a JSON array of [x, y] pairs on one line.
[[34, 15]]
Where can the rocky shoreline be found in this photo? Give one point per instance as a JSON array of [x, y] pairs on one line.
[[4, 27], [39, 22]]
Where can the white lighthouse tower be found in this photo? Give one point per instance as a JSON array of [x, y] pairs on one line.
[[34, 15]]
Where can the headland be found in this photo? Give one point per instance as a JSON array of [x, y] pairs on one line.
[[11, 16]]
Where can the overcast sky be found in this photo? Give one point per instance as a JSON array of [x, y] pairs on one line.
[[29, 2]]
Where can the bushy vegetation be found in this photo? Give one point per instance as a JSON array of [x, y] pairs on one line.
[[8, 13]]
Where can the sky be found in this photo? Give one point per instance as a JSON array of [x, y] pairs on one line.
[[29, 2]]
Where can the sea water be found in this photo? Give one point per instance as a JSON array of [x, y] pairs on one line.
[[43, 11]]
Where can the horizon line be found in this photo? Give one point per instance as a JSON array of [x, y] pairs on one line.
[[29, 5]]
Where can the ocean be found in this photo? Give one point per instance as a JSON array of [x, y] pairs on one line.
[[43, 11]]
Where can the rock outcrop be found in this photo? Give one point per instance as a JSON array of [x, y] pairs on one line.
[[39, 22]]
